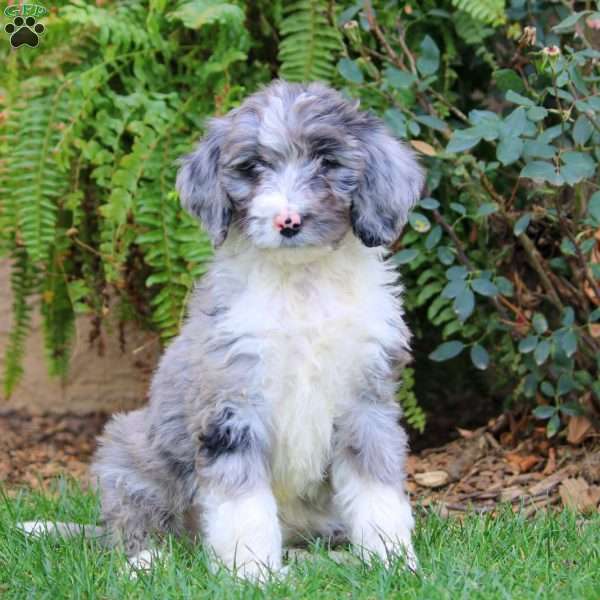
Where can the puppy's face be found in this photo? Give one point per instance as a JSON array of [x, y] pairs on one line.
[[299, 166]]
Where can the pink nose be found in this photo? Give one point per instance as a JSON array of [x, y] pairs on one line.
[[288, 222]]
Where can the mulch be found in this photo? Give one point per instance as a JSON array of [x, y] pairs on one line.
[[506, 462]]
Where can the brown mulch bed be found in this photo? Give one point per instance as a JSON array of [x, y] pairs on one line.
[[477, 472]]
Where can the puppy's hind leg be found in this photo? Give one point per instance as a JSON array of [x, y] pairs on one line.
[[140, 499]]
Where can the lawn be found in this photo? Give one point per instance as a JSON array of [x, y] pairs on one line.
[[550, 556]]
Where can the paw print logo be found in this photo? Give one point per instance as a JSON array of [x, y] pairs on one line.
[[24, 32]]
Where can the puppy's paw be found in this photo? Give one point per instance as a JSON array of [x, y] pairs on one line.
[[387, 549], [142, 562]]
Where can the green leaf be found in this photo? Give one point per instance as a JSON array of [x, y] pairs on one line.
[[479, 357], [582, 130], [429, 203], [507, 79], [429, 59], [419, 222], [577, 166], [539, 323], [484, 287], [432, 122], [401, 80], [445, 255], [515, 124], [505, 287], [198, 13], [569, 23], [593, 208], [565, 384], [509, 150], [405, 256], [567, 247], [541, 352], [553, 426], [396, 121], [489, 208], [464, 304], [515, 98], [446, 351], [537, 113], [569, 343], [544, 411], [454, 288], [541, 171], [548, 389], [571, 409], [350, 70], [568, 317], [463, 139], [458, 272], [528, 344], [432, 240], [459, 208], [522, 224]]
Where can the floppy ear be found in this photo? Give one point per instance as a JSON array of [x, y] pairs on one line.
[[199, 186], [391, 184]]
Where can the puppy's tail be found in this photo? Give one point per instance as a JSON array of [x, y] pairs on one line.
[[39, 529]]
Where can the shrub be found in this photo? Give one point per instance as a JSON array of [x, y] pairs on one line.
[[502, 256]]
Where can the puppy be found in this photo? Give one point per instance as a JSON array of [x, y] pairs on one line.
[[273, 415]]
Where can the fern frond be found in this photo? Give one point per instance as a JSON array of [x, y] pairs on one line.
[[414, 415], [310, 43], [35, 181], [57, 312], [22, 285], [490, 12]]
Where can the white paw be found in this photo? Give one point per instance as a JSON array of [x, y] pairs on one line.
[[388, 549], [142, 562]]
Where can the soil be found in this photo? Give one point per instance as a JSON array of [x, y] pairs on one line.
[[507, 461]]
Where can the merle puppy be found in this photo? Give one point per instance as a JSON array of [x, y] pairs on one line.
[[273, 415]]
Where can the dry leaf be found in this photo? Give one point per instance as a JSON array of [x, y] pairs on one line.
[[594, 329], [522, 463], [576, 495], [423, 147], [432, 479], [578, 429], [551, 464]]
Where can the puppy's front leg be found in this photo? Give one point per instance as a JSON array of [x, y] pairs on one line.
[[367, 476], [239, 512]]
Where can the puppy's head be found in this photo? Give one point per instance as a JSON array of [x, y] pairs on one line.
[[298, 165]]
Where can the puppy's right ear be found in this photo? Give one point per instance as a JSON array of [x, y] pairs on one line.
[[199, 184]]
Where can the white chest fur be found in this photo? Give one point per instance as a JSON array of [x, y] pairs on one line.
[[318, 325]]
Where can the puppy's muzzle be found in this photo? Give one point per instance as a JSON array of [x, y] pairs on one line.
[[289, 223]]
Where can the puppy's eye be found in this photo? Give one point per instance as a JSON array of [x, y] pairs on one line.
[[250, 168], [329, 163]]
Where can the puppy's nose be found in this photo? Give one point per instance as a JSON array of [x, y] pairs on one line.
[[288, 223]]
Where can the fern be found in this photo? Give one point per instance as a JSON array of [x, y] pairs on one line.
[[57, 312], [35, 182], [22, 285], [491, 12], [310, 43], [413, 413]]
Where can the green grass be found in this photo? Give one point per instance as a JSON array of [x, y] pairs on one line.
[[551, 556]]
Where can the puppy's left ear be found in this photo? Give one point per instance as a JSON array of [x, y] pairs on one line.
[[199, 184], [392, 182]]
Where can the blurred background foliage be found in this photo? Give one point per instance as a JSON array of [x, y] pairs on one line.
[[500, 259]]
